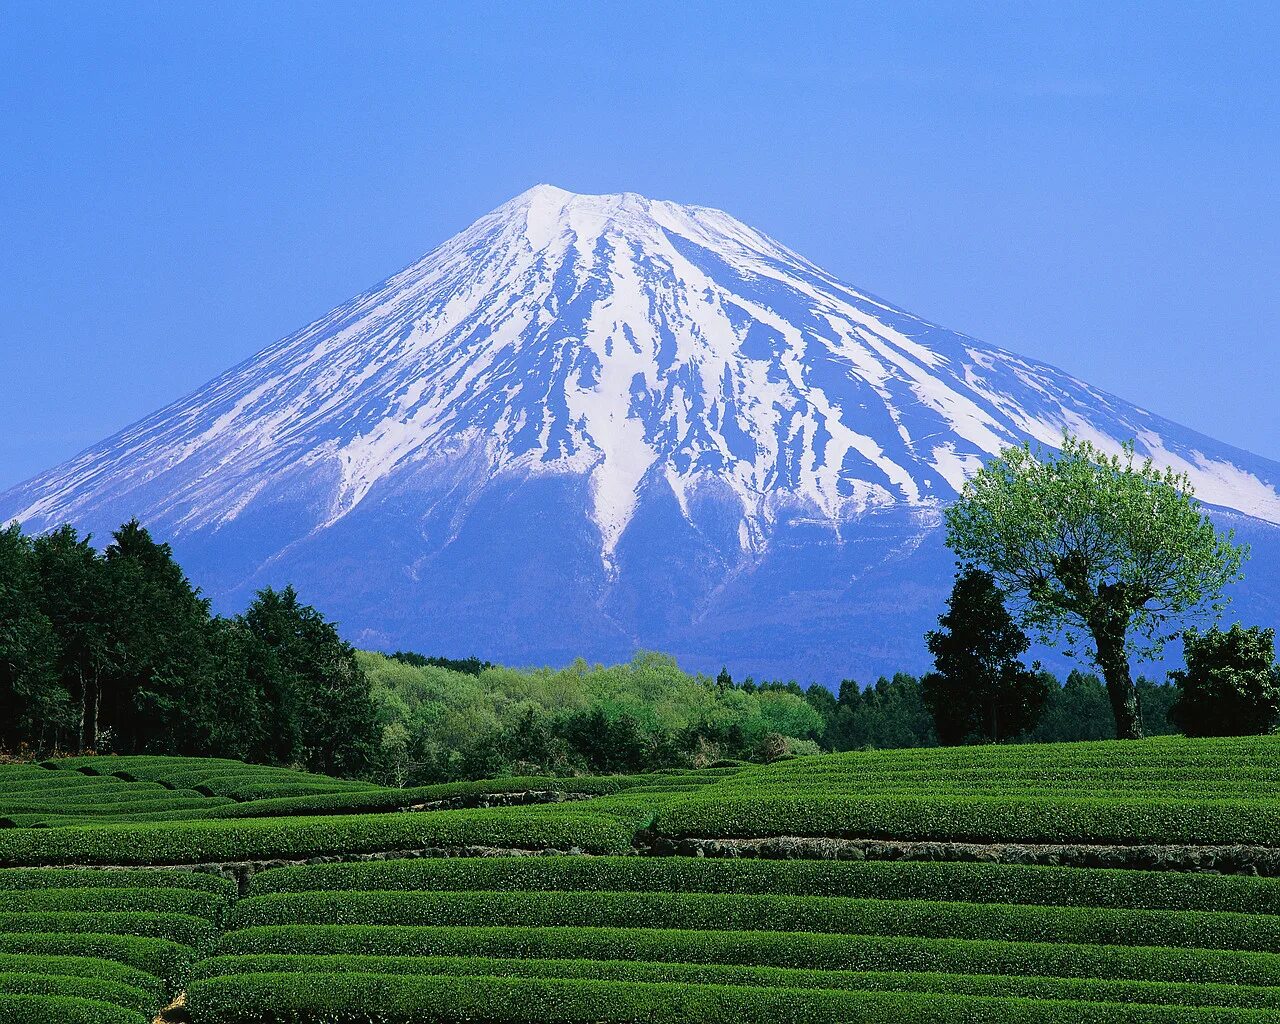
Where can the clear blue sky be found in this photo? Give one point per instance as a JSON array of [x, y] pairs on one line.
[[182, 183]]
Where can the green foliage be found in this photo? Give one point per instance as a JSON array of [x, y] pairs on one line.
[[768, 912], [41, 1009], [1086, 989], [162, 958], [118, 651], [33, 703], [975, 883], [437, 724], [265, 838], [1231, 686], [32, 982], [1098, 546], [890, 714], [345, 997], [1160, 791], [981, 691]]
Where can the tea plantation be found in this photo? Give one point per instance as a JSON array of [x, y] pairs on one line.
[[220, 893]]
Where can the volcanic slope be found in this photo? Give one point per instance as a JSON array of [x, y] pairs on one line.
[[587, 424]]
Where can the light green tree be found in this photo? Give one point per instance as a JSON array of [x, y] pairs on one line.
[[1111, 552]]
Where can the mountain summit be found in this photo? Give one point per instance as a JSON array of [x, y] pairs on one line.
[[590, 423]]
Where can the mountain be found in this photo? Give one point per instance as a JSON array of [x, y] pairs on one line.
[[588, 424]]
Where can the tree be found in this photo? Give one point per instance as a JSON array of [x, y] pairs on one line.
[[159, 631], [33, 704], [981, 691], [887, 715], [1078, 710], [313, 681], [1231, 686], [75, 599], [1099, 547]]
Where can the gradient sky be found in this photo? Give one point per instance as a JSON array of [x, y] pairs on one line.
[[1092, 185]]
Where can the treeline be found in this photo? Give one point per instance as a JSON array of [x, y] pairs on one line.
[[892, 712], [117, 651], [438, 722]]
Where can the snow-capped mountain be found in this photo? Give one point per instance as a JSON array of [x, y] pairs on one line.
[[590, 423]]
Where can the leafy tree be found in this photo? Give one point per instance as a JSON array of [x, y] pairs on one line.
[[981, 691], [824, 702], [884, 716], [1101, 547], [320, 690], [1078, 710], [1231, 686], [34, 706], [159, 627], [76, 600], [1155, 702]]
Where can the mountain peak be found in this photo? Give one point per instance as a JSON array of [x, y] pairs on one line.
[[646, 348]]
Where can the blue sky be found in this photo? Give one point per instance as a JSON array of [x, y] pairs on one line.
[[1093, 185]]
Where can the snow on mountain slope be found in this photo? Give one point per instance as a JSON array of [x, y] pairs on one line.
[[630, 354]]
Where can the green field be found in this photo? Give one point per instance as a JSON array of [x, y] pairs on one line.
[[99, 923]]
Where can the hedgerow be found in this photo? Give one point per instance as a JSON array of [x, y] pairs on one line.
[[36, 984], [22, 1009], [985, 819], [775, 949], [978, 883], [390, 799], [129, 878], [318, 998], [165, 959], [205, 840], [924, 918], [82, 899], [1013, 986], [180, 928], [83, 967]]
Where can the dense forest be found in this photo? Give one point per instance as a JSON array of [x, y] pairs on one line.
[[116, 650]]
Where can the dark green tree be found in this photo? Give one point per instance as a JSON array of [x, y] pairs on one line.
[[159, 629], [75, 598], [981, 692], [1231, 686], [1102, 548], [1078, 710], [34, 706], [887, 715], [320, 693]]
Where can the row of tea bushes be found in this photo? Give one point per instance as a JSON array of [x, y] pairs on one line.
[[974, 883], [101, 947]]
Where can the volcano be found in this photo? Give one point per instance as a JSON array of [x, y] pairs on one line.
[[591, 424]]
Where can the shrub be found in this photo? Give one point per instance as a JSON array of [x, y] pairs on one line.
[[180, 928], [769, 913], [163, 958], [24, 1009], [118, 899], [302, 837], [777, 949], [96, 878], [813, 812], [35, 984], [1082, 989], [241, 999], [83, 967], [978, 883]]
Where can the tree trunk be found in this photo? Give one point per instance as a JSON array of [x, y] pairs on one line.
[[1109, 624], [89, 700]]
